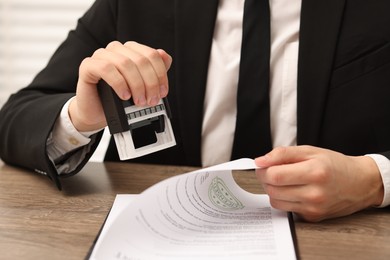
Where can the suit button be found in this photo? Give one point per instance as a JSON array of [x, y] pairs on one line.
[[73, 141]]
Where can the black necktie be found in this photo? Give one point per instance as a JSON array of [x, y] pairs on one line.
[[253, 136]]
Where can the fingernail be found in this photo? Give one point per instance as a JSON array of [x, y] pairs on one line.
[[261, 160], [141, 101], [163, 91], [126, 95], [153, 101]]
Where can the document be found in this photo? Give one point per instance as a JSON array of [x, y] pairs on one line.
[[198, 215]]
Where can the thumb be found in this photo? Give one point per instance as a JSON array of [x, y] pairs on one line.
[[284, 155]]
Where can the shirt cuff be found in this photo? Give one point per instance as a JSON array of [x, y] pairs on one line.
[[383, 164], [66, 136]]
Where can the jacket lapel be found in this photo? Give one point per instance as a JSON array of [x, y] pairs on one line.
[[193, 39], [320, 25]]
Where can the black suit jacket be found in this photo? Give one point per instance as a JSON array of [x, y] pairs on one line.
[[343, 76]]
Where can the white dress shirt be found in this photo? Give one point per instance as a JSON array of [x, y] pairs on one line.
[[221, 90]]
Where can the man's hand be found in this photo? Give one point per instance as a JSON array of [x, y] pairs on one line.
[[131, 69], [317, 183]]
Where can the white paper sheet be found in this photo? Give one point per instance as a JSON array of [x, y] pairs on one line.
[[198, 215]]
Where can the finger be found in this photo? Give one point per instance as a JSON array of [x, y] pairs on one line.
[[155, 69], [92, 70], [306, 194], [131, 60], [166, 58], [284, 193], [307, 211], [311, 214], [288, 174], [290, 206], [151, 53], [128, 71], [286, 155]]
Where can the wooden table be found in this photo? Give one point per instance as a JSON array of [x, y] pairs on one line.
[[39, 222]]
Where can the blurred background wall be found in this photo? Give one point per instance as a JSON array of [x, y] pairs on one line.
[[30, 31]]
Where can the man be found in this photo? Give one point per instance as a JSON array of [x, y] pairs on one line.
[[329, 88]]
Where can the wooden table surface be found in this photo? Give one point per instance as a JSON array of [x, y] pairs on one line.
[[39, 222]]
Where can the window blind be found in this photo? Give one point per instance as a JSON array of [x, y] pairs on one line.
[[30, 31]]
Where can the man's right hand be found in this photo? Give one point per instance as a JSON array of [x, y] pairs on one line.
[[131, 69]]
